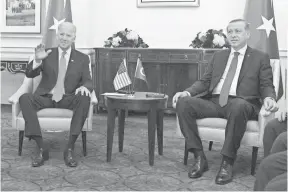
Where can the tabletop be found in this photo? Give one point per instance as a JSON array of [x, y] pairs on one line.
[[138, 101]]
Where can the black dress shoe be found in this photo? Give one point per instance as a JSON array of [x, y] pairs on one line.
[[69, 159], [40, 158], [199, 167], [224, 175]]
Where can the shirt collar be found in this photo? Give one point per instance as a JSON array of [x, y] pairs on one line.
[[68, 52], [241, 51]]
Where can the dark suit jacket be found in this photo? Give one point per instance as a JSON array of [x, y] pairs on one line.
[[77, 73], [255, 78]]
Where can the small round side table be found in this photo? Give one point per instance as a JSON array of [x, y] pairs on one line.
[[139, 102]]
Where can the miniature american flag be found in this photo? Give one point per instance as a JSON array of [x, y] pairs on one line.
[[122, 78]]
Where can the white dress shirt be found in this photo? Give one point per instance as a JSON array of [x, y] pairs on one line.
[[60, 51], [233, 87]]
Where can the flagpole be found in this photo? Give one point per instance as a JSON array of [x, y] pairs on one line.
[[139, 56], [126, 89], [129, 86]]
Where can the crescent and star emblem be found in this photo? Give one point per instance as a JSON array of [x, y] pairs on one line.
[[142, 71]]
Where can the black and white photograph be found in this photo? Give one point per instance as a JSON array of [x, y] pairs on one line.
[[21, 16], [144, 95]]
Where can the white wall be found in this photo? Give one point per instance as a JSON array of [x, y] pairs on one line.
[[173, 27], [96, 20]]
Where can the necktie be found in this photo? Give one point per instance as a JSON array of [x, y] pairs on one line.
[[59, 87], [223, 98]]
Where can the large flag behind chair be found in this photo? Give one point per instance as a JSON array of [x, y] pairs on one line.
[[122, 78], [260, 15], [59, 11]]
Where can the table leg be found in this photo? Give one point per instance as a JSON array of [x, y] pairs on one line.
[[160, 115], [151, 134], [110, 132], [121, 125]]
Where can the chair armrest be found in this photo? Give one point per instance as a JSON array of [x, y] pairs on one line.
[[26, 87], [94, 100], [15, 112], [262, 122]]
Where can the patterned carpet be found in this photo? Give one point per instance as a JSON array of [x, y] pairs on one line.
[[127, 171]]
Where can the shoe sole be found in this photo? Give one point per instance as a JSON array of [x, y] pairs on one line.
[[224, 183]]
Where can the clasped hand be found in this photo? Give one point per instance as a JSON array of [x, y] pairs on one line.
[[270, 106], [177, 96], [83, 90]]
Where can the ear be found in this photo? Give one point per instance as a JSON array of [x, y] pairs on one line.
[[248, 34]]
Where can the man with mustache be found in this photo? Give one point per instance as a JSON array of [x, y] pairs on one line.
[[272, 171], [66, 83], [234, 82]]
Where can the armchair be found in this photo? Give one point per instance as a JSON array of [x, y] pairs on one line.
[[213, 129], [50, 119]]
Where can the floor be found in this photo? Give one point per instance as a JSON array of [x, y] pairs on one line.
[[127, 171]]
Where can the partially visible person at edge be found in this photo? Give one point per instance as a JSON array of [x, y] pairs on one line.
[[272, 172]]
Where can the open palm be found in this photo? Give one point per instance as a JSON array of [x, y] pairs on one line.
[[40, 52]]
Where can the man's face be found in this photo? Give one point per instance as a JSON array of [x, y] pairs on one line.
[[237, 35], [65, 36]]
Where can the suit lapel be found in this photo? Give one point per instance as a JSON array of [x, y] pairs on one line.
[[247, 62], [222, 65], [71, 63], [54, 61]]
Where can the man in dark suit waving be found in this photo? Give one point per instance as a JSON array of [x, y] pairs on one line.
[[66, 83], [234, 82]]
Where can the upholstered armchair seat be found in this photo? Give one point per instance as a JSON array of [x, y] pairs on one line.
[[216, 129], [53, 120]]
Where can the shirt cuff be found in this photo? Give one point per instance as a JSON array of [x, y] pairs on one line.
[[187, 93], [36, 64]]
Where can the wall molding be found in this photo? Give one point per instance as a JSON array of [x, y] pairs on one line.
[[283, 53], [23, 53]]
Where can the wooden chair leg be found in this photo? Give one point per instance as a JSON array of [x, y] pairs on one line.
[[254, 159], [84, 142], [210, 145], [21, 137], [185, 154]]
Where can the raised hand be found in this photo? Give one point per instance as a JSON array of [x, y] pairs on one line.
[[40, 53]]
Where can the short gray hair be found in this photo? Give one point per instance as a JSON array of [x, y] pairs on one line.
[[69, 24], [247, 25]]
